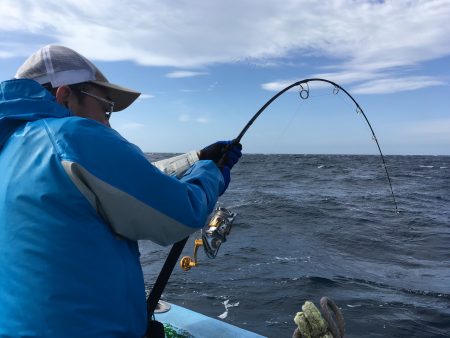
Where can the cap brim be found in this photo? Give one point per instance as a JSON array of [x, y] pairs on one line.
[[121, 96]]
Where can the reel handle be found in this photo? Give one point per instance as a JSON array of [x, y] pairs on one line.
[[187, 263]]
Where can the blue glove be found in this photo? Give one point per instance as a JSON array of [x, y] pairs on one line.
[[225, 154]]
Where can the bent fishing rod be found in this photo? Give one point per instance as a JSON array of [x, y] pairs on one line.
[[177, 248], [304, 94]]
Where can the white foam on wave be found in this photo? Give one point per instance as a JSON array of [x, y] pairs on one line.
[[320, 166], [426, 166], [286, 258], [227, 305]]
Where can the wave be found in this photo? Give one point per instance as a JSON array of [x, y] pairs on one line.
[[340, 280]]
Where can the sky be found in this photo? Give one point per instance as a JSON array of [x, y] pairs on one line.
[[205, 67]]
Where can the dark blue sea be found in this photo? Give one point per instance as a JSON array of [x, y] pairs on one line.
[[325, 225]]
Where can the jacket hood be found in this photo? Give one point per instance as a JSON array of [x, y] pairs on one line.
[[23, 101]]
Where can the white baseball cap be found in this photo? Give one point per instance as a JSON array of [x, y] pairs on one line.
[[62, 66]]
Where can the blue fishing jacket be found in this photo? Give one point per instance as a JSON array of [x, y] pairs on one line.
[[74, 199]]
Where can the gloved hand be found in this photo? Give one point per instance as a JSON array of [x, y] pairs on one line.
[[225, 154], [227, 151]]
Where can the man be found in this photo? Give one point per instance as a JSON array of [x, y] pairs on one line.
[[75, 197]]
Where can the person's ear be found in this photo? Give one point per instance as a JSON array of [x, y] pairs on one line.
[[63, 95]]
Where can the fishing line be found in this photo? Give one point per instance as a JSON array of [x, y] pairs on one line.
[[304, 92]]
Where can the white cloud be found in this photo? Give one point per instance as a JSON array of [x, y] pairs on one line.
[[202, 120], [188, 90], [5, 54], [276, 86], [393, 85], [146, 96], [366, 82], [184, 73], [349, 76], [367, 40], [379, 34]]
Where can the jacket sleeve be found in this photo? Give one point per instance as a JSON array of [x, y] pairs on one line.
[[137, 200], [177, 165]]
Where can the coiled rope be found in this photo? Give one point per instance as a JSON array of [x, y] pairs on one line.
[[311, 323]]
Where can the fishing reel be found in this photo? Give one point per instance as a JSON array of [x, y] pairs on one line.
[[214, 233]]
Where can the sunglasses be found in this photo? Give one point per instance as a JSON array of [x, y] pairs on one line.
[[107, 104]]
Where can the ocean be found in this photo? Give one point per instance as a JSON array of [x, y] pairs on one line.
[[309, 226]]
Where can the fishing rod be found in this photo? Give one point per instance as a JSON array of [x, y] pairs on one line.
[[222, 223], [214, 233], [304, 94]]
